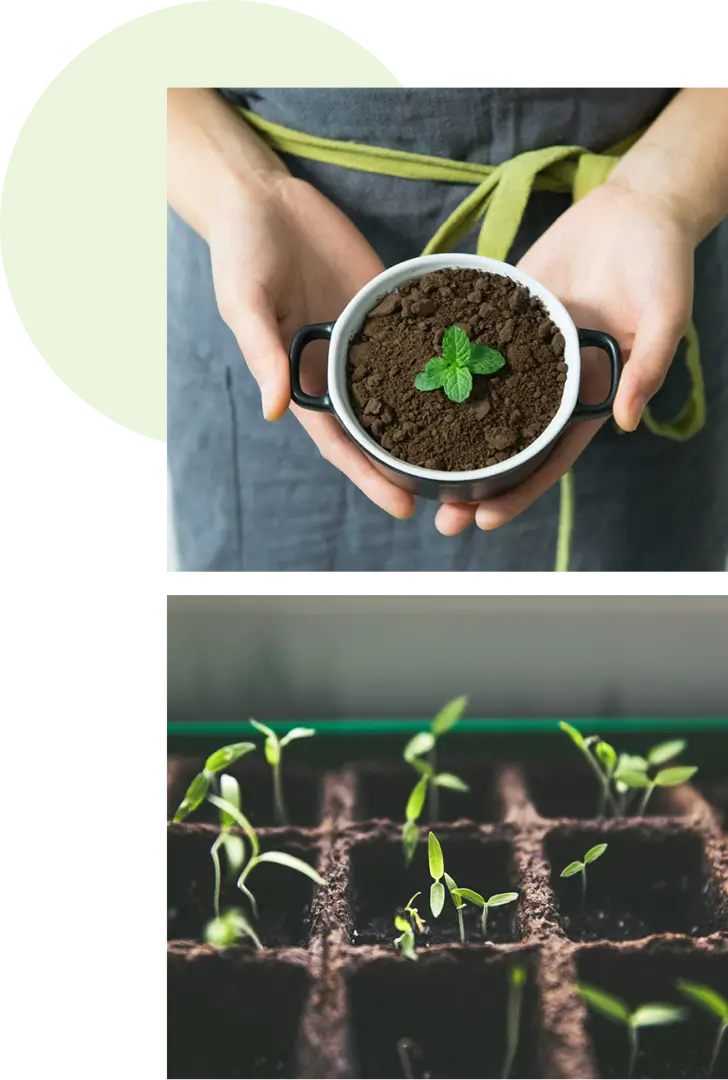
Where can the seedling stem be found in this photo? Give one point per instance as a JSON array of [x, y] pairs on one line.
[[516, 982]]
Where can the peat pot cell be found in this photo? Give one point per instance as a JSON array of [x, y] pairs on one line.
[[646, 882], [283, 895], [639, 977], [381, 884], [233, 1015], [384, 791], [452, 1008], [716, 793], [300, 789], [566, 791]]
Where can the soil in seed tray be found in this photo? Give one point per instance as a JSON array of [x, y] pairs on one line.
[[645, 883], [382, 885], [229, 1016], [451, 1008], [505, 411], [383, 792], [283, 896]]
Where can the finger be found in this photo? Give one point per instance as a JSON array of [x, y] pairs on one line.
[[654, 347], [454, 518], [252, 319], [336, 448], [493, 513]]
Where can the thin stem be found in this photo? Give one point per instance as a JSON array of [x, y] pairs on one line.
[[484, 920], [513, 1023], [279, 806], [716, 1046], [645, 800], [460, 923], [216, 863], [432, 788], [632, 1050], [583, 885]]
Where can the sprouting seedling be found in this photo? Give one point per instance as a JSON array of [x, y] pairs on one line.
[[712, 1002], [197, 791], [497, 900], [437, 869], [614, 1009], [414, 914], [458, 902], [596, 765], [282, 858], [577, 867], [672, 777], [228, 929], [273, 748], [231, 843], [516, 983], [460, 360], [406, 940], [421, 744]]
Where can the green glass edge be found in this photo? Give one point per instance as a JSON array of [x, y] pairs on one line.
[[496, 726]]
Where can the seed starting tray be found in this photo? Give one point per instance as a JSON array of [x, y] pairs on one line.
[[328, 996]]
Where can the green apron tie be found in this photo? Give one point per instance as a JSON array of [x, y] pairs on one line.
[[499, 199]]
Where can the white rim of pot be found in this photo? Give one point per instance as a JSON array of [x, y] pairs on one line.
[[352, 318]]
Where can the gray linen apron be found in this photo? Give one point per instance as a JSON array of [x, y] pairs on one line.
[[250, 495]]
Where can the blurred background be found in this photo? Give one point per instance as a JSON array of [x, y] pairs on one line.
[[402, 657]]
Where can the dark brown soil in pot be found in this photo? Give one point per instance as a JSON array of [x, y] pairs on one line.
[[504, 413], [328, 996]]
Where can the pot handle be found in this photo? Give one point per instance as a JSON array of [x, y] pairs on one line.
[[302, 338], [610, 346]]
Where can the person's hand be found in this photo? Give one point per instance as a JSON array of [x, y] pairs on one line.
[[283, 256], [620, 261]]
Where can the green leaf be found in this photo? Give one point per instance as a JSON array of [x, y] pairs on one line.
[[595, 853], [234, 851], [268, 732], [633, 779], [705, 997], [435, 858], [297, 733], [227, 929], [456, 346], [574, 735], [571, 869], [484, 360], [226, 755], [473, 897], [194, 796], [416, 800], [282, 858], [421, 743], [401, 924], [230, 792], [448, 780], [432, 377], [611, 1007], [631, 763], [672, 777], [239, 818], [606, 754], [656, 1015], [408, 946], [437, 898], [454, 892], [500, 898], [458, 384], [410, 836], [666, 751], [449, 715]]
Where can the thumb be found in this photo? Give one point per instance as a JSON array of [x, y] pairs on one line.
[[644, 373], [254, 323]]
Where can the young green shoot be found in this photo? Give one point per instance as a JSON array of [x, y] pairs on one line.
[[281, 858], [672, 777], [458, 902], [585, 748], [229, 929], [273, 753], [516, 983], [406, 940], [437, 869], [577, 867], [614, 1009], [460, 360], [197, 791], [711, 1002], [231, 843], [497, 900], [414, 914], [421, 753]]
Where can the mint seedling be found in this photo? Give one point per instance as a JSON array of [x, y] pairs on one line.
[[618, 1012], [460, 360], [712, 1002], [673, 777], [580, 867], [273, 748], [497, 900], [197, 791], [425, 743], [516, 982]]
